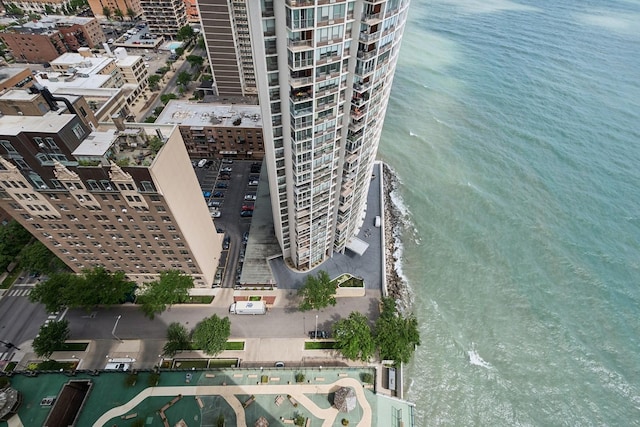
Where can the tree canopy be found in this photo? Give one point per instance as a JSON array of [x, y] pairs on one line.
[[37, 258], [13, 237], [184, 78], [185, 33], [395, 335], [154, 79], [51, 338], [91, 288], [168, 97], [211, 334], [354, 337], [317, 292], [196, 61], [172, 288], [177, 339], [106, 11]]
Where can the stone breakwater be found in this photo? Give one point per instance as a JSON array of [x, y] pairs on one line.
[[396, 285]]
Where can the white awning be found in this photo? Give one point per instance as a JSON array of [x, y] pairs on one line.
[[358, 246]]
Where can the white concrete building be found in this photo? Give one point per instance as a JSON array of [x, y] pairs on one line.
[[323, 73]]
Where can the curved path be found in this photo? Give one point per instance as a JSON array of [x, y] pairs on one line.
[[229, 393]]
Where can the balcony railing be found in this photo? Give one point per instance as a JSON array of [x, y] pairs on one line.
[[300, 81], [366, 55], [299, 44], [372, 18]]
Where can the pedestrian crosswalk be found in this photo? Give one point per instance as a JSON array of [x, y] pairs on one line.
[[18, 292]]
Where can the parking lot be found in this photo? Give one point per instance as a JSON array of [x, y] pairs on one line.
[[229, 188]]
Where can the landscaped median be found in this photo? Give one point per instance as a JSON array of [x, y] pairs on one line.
[[349, 286]]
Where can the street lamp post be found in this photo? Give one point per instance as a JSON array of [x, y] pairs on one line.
[[113, 332]]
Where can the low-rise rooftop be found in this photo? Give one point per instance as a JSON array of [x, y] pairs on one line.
[[207, 114]]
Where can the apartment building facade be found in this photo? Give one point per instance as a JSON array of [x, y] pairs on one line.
[[97, 7], [52, 36], [216, 131], [123, 196], [164, 17], [323, 71]]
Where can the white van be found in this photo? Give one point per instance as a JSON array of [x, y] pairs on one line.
[[202, 162]]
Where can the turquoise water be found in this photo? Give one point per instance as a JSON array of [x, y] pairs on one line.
[[515, 130]]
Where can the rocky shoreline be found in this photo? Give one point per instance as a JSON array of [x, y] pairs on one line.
[[396, 285]]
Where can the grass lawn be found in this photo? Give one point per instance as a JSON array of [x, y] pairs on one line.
[[223, 363], [255, 298], [11, 277], [10, 366], [319, 345], [234, 345], [188, 364], [73, 346], [200, 299]]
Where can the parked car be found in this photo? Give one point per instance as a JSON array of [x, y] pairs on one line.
[[227, 161], [250, 197], [222, 185], [226, 242], [246, 213], [248, 207], [215, 214], [218, 194], [245, 237], [202, 162], [253, 183], [206, 194], [224, 177], [318, 334], [208, 164], [214, 204], [227, 169], [254, 177]]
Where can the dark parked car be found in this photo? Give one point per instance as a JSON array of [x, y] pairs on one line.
[[318, 334], [218, 194], [222, 185], [224, 177], [246, 213], [226, 242]]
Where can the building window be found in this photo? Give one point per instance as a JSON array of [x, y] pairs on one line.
[[7, 145], [78, 130]]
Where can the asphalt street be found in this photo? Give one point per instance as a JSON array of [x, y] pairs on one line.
[[20, 319]]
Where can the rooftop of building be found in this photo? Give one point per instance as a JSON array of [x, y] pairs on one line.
[[18, 95], [51, 122], [9, 72], [54, 80], [216, 389], [83, 64], [209, 114], [52, 20]]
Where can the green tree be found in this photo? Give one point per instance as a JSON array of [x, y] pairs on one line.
[[48, 9], [172, 288], [177, 339], [201, 44], [150, 119], [51, 292], [354, 337], [317, 292], [51, 338], [118, 13], [211, 334], [106, 11], [153, 81], [131, 13], [185, 33], [93, 287], [395, 335], [13, 237], [196, 61], [37, 258], [184, 78], [167, 97], [107, 288], [179, 51]]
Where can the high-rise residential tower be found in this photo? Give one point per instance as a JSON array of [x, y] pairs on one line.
[[323, 72]]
